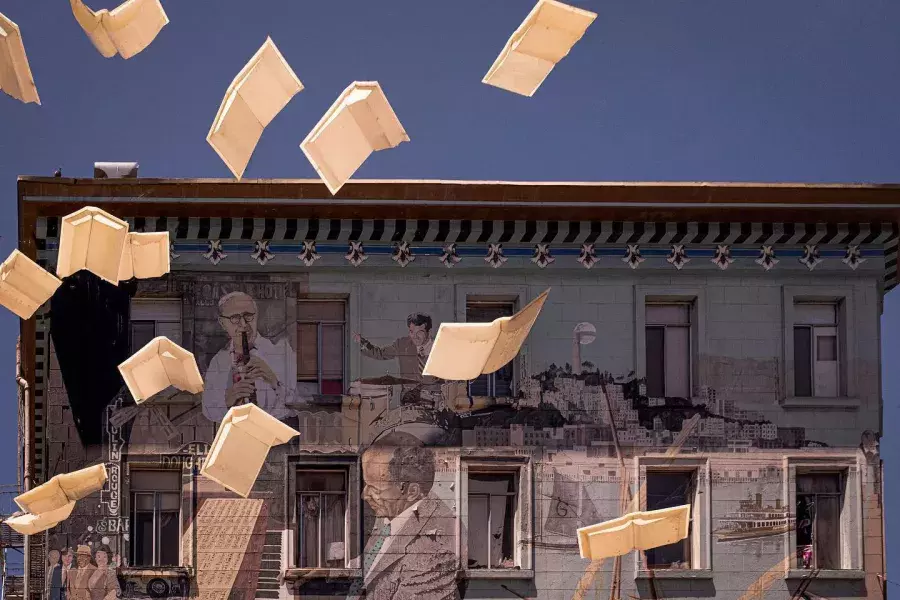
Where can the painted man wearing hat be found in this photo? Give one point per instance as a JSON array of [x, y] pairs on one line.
[[79, 581]]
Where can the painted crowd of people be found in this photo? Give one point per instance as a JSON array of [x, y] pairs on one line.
[[82, 574]]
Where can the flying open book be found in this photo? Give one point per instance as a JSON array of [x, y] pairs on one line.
[[241, 446], [126, 30], [145, 255], [15, 72], [360, 121], [52, 502], [466, 350], [25, 285], [91, 239], [158, 365], [543, 39], [634, 531], [261, 89]]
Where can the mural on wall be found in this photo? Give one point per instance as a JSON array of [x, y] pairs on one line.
[[246, 338]]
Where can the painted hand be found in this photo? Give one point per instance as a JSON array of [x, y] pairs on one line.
[[257, 368]]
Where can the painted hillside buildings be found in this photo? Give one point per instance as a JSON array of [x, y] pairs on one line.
[[716, 345]]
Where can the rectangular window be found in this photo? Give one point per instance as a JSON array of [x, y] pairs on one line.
[[666, 489], [154, 317], [155, 517], [498, 384], [322, 518], [668, 334], [816, 350], [819, 498], [320, 346], [492, 518]]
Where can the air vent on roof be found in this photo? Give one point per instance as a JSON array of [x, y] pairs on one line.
[[115, 170]]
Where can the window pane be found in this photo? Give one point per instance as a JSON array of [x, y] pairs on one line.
[[307, 351], [320, 310], [169, 538], [665, 490], [815, 314], [332, 351], [826, 348], [156, 309], [678, 362], [502, 523], [169, 502], [320, 481], [155, 481], [333, 530], [143, 502], [142, 543], [819, 483], [805, 515], [485, 312], [170, 330], [656, 365], [142, 333], [478, 532], [828, 532], [309, 530], [332, 386], [803, 361], [668, 314], [491, 483]]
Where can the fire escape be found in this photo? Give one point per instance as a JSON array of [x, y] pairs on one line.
[[12, 545]]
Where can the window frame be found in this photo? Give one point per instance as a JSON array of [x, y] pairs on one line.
[[665, 327], [491, 378], [350, 464], [843, 298], [663, 294], [701, 513], [147, 303], [523, 550], [851, 530], [519, 296], [345, 379], [298, 494], [131, 508]]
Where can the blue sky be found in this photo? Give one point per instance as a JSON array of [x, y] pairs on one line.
[[720, 90]]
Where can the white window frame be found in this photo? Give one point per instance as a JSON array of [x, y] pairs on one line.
[[663, 294], [518, 296], [847, 397], [348, 463], [521, 467], [851, 541], [156, 310], [701, 513]]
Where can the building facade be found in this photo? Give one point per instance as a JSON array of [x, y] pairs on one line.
[[716, 345]]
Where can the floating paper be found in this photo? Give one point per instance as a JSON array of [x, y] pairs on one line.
[[263, 87], [543, 39], [241, 445], [145, 255], [359, 122], [29, 524], [25, 285], [52, 502], [15, 73], [634, 531], [158, 365], [463, 351], [125, 30], [91, 239]]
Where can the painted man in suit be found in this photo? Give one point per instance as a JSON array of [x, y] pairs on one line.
[[411, 353], [55, 585], [410, 555]]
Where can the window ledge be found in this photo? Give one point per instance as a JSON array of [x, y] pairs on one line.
[[141, 572], [675, 574], [497, 574], [846, 574], [813, 402], [304, 574]]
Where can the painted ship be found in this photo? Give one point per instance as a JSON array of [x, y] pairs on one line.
[[753, 520]]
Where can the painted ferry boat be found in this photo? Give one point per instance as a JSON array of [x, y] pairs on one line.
[[753, 520]]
